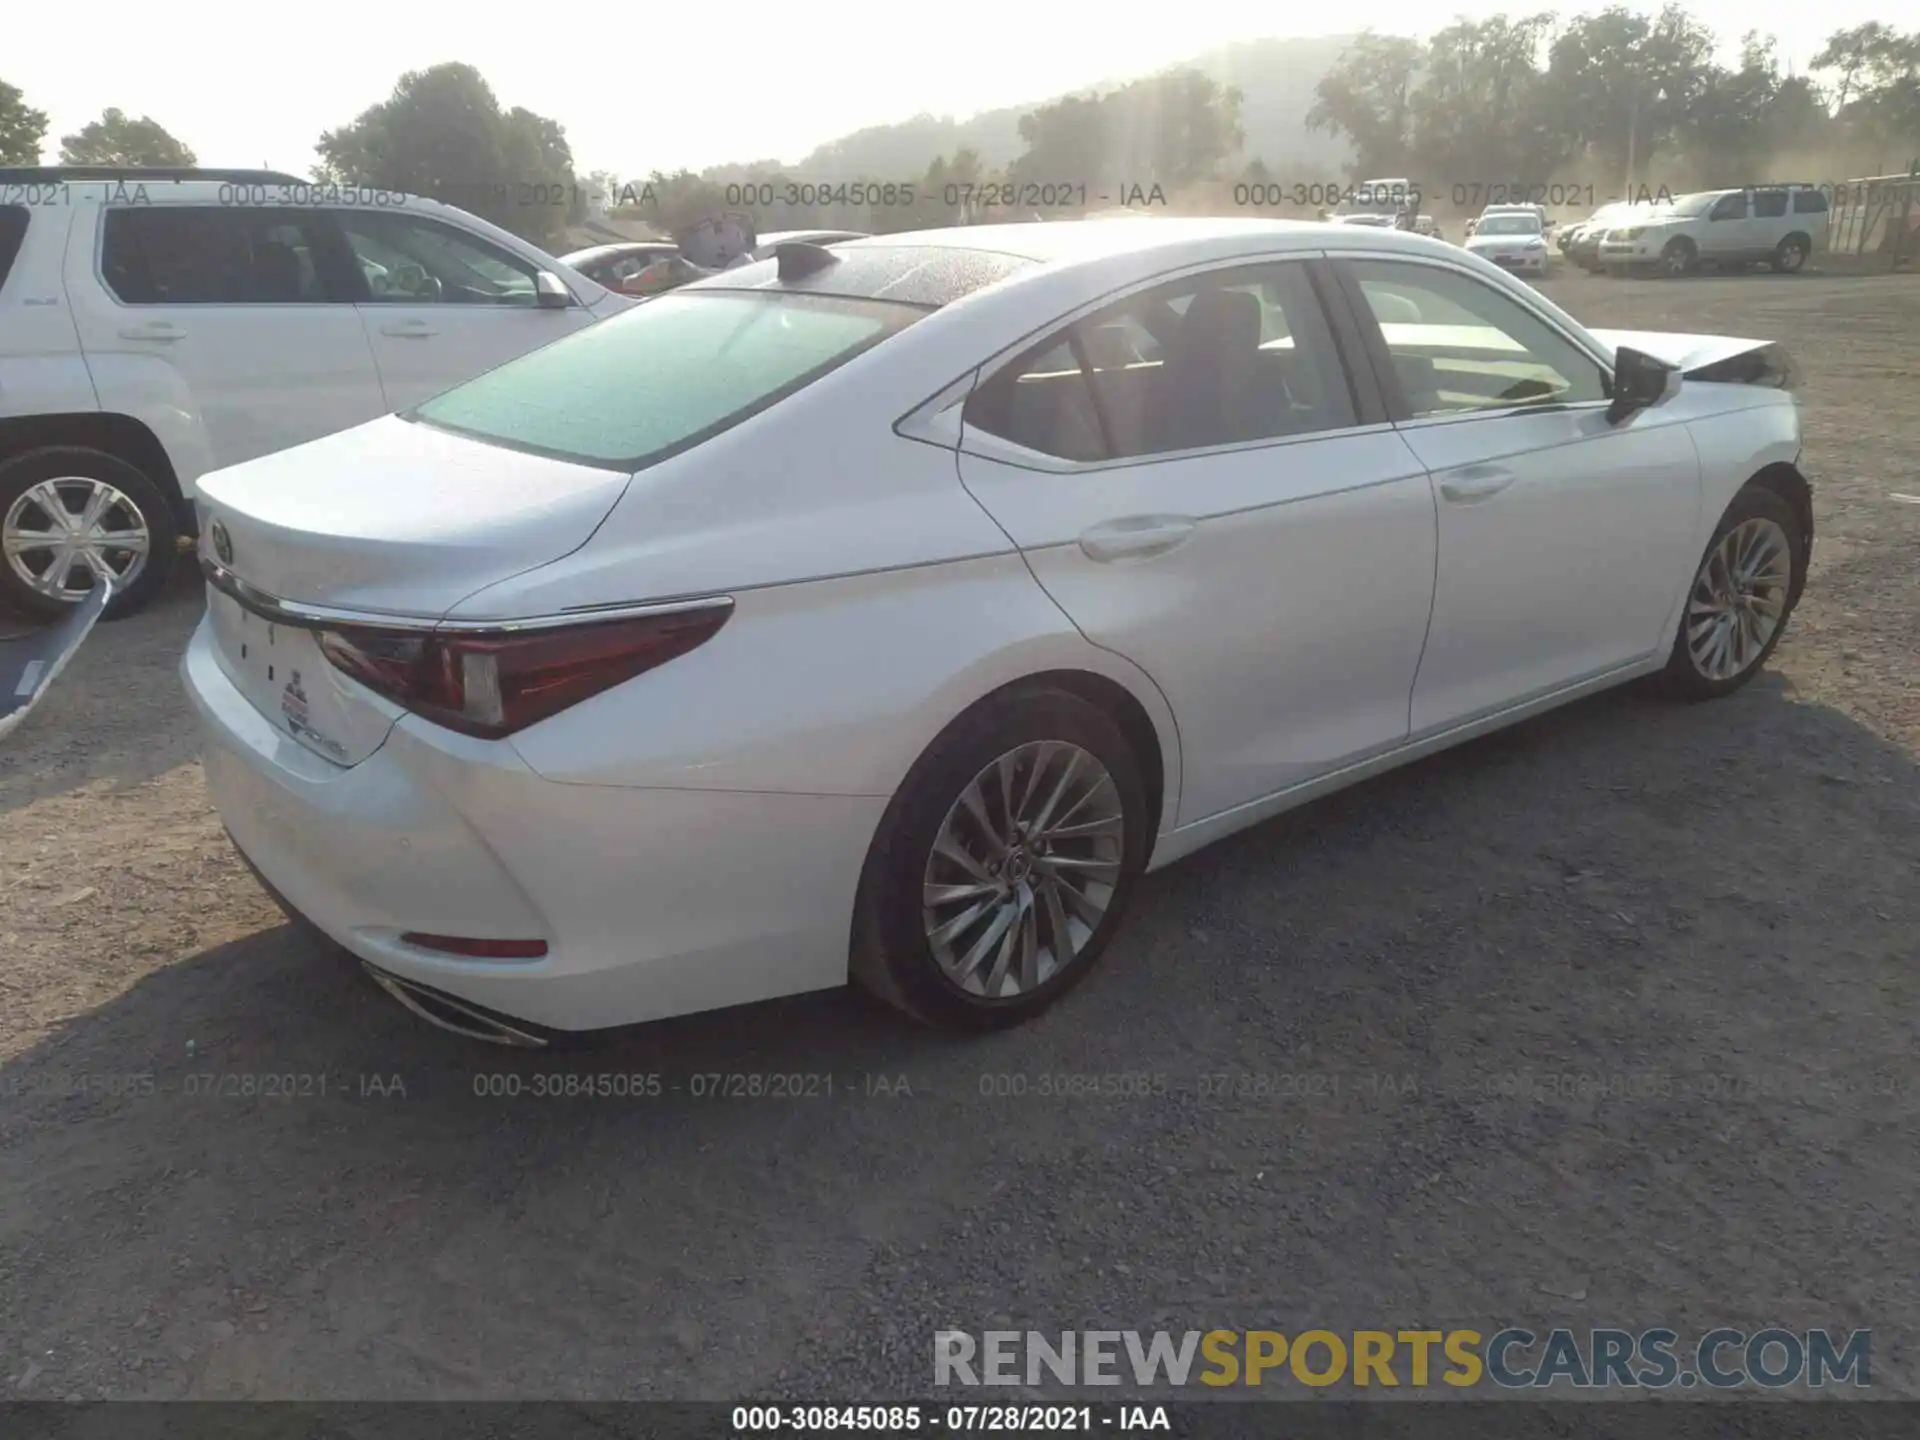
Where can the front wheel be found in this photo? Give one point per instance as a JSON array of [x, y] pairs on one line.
[[1002, 868], [1741, 597], [70, 517], [1679, 258]]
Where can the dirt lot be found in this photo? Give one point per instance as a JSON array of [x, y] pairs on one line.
[[1705, 919]]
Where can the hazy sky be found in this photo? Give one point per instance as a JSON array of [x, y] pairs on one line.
[[648, 88]]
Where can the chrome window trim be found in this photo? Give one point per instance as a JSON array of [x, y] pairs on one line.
[[297, 615], [987, 446]]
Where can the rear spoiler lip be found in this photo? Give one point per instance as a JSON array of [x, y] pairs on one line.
[[297, 615]]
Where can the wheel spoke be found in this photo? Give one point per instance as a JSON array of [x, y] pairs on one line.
[[953, 929], [98, 503], [1059, 935], [970, 963], [1105, 825], [936, 895], [955, 854], [1067, 772], [134, 541], [21, 542]]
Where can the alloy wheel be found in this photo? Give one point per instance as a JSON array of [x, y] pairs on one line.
[[1023, 869], [1739, 599], [64, 535]]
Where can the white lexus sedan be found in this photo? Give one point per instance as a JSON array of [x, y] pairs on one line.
[[885, 612]]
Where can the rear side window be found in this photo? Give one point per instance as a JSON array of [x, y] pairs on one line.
[[13, 231], [1228, 358], [664, 376], [1769, 204], [1809, 202], [216, 255]]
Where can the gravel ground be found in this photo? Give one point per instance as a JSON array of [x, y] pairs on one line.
[[1605, 1020]]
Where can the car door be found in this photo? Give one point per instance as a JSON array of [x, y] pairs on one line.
[[1770, 223], [1193, 478], [441, 304], [1727, 233], [240, 313], [1564, 538]]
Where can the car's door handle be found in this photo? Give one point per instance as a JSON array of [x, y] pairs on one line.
[[1476, 482], [409, 330], [153, 330], [1136, 537]]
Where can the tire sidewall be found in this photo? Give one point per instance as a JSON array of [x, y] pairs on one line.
[[1678, 258], [1792, 246], [1754, 502], [25, 470], [891, 885]]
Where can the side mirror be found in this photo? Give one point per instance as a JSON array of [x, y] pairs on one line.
[[551, 291], [1640, 382]]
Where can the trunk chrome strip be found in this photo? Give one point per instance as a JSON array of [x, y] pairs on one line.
[[296, 615]]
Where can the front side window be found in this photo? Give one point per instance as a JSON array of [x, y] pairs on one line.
[[216, 255], [1729, 207], [1458, 345], [409, 260], [664, 376], [1231, 357]]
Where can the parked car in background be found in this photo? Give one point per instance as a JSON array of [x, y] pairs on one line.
[[159, 324], [866, 613], [1580, 241], [1511, 239], [619, 266], [1777, 225]]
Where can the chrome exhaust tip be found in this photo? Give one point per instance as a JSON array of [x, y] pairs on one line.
[[446, 1013]]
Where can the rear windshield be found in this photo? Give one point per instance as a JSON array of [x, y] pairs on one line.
[[665, 375]]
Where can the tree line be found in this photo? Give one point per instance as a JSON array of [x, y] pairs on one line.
[[1635, 99], [1612, 94]]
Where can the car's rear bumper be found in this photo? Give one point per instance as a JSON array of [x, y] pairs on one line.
[[652, 902]]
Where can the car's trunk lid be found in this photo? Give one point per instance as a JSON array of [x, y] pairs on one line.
[[393, 520]]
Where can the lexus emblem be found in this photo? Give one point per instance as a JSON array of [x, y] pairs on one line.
[[222, 544]]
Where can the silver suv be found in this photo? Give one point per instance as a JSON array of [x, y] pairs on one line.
[[1778, 225], [156, 325]]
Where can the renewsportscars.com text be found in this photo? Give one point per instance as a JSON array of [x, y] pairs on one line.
[[1772, 1358]]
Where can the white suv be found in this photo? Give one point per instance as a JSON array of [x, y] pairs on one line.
[[1776, 224], [157, 325]]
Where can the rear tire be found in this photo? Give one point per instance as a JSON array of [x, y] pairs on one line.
[[1679, 258], [998, 925], [1742, 594], [75, 481], [1790, 255]]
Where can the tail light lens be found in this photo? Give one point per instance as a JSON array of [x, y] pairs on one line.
[[493, 683]]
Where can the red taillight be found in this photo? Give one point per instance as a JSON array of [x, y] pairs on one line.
[[493, 683], [478, 949]]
